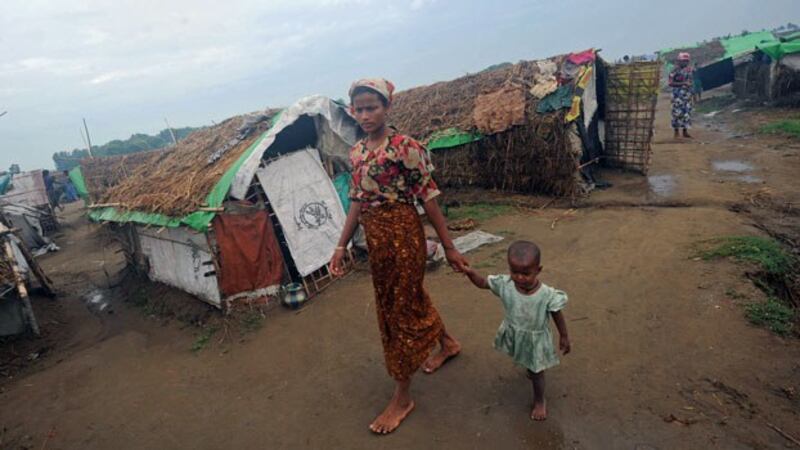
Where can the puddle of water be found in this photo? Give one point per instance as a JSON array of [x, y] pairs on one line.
[[662, 185], [97, 302], [749, 179], [731, 166]]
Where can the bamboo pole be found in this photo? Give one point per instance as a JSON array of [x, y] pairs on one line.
[[23, 291], [44, 280], [104, 205], [171, 133], [88, 139]]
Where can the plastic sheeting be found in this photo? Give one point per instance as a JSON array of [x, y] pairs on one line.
[[179, 257], [717, 74], [249, 254], [451, 137], [28, 221], [28, 189], [307, 206], [76, 176], [792, 61], [737, 45], [469, 242], [334, 113], [5, 182], [589, 99]]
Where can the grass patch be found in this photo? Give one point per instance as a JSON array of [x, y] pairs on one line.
[[203, 339], [717, 103], [787, 126], [772, 314], [477, 211], [252, 321], [764, 252], [734, 294], [774, 263]]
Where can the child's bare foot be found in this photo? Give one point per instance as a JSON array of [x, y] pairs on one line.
[[450, 348], [391, 417], [539, 411]]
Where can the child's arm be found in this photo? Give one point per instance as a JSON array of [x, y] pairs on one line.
[[563, 341], [477, 279]]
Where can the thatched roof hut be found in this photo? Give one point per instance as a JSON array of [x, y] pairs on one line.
[[488, 129], [177, 180], [222, 233]]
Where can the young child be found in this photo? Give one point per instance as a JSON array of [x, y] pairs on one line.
[[525, 332]]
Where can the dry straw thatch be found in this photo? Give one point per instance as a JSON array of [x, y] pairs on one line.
[[102, 173], [530, 155], [6, 272], [176, 181]]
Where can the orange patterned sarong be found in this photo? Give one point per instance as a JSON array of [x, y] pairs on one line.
[[410, 326]]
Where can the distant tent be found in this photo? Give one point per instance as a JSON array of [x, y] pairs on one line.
[[737, 45]]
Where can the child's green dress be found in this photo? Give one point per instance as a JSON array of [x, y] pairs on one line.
[[525, 332]]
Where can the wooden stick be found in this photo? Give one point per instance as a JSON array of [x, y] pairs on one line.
[[588, 162], [549, 202], [104, 205], [23, 291], [784, 434], [209, 209], [46, 283]]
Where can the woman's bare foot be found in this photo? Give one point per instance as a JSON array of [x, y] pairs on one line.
[[539, 411], [450, 348], [391, 417]]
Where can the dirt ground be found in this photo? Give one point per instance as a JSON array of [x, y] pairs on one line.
[[663, 357]]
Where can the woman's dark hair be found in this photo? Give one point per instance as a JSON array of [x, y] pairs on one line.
[[365, 90]]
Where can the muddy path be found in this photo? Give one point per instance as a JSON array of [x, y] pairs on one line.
[[662, 355]]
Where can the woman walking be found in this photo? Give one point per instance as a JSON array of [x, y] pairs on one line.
[[391, 172], [680, 80]]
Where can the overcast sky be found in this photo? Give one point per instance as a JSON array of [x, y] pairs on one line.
[[125, 65]]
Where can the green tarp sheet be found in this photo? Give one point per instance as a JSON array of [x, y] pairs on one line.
[[779, 50], [742, 44], [559, 99], [5, 182], [197, 220], [76, 176], [451, 137], [342, 185]]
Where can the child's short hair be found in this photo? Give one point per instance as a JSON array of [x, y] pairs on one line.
[[525, 252]]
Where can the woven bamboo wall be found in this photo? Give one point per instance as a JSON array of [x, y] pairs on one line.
[[631, 95]]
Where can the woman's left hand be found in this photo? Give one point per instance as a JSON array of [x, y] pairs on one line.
[[456, 260]]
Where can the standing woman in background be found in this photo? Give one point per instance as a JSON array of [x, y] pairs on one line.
[[680, 80], [391, 172]]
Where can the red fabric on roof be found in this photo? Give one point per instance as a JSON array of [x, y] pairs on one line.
[[582, 58]]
